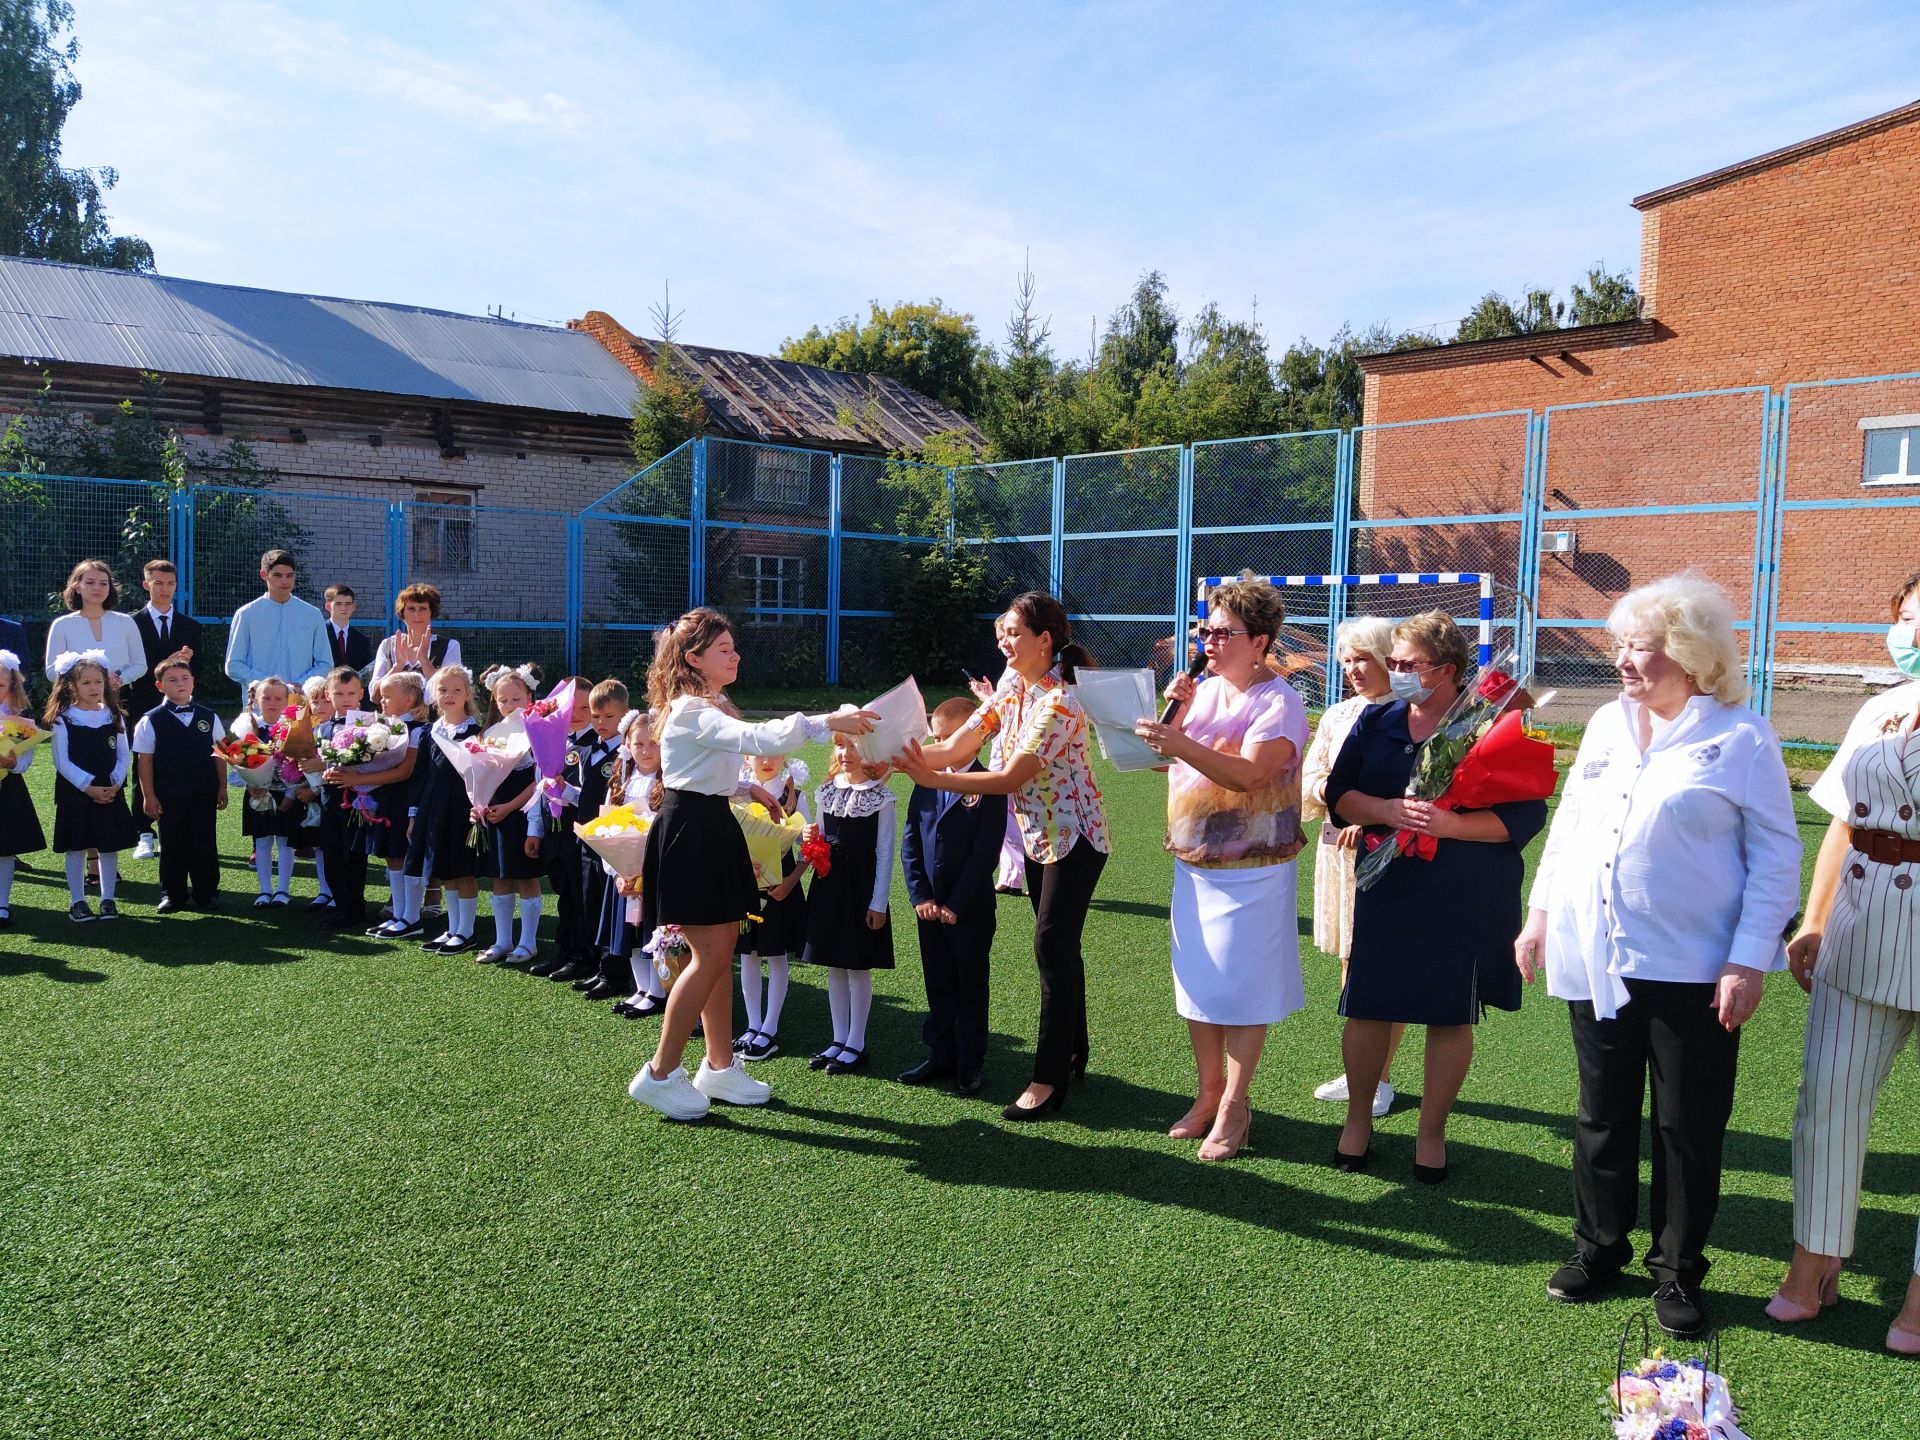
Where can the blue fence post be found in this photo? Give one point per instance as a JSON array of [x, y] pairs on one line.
[[1533, 501], [953, 506], [1339, 544], [697, 534], [833, 569], [1057, 530], [396, 551], [180, 546], [574, 606], [1183, 558], [1763, 643]]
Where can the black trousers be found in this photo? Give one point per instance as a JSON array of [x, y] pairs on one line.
[[575, 925], [1668, 1034], [954, 958], [1060, 894], [189, 850], [346, 860]]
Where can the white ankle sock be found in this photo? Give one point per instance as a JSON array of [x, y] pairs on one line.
[[503, 922], [750, 988], [860, 1002], [530, 906], [776, 995], [77, 875]]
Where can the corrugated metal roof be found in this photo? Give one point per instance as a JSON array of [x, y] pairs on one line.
[[761, 398], [83, 316]]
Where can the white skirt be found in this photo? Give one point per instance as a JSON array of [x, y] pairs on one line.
[[1236, 945]]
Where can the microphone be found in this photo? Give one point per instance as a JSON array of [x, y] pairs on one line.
[[1195, 669]]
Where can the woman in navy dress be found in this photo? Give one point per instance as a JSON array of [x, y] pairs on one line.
[[1432, 939]]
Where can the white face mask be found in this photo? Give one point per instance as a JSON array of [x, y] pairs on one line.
[[1407, 687]]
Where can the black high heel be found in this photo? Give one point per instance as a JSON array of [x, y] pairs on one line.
[[1055, 1102], [1352, 1164]]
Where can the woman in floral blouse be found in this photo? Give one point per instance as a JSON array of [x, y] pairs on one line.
[[1063, 824]]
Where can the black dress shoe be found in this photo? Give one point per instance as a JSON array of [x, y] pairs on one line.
[[606, 990], [847, 1061], [1676, 1305], [969, 1082], [1580, 1279], [546, 967], [168, 906], [926, 1072], [575, 970], [824, 1058], [456, 944]]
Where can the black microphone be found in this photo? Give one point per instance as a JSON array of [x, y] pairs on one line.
[[1194, 670]]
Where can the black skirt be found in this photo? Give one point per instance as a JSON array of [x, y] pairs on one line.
[[782, 928], [20, 832], [271, 823], [503, 844], [696, 870]]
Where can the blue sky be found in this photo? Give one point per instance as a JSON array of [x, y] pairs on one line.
[[782, 164]]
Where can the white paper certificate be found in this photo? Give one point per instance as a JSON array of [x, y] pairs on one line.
[[902, 716], [1114, 700]]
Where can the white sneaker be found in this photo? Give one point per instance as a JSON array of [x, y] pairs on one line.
[[143, 848], [674, 1097], [1382, 1099], [733, 1085], [1334, 1089]]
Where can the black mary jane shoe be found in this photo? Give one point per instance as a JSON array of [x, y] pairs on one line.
[[824, 1058], [1052, 1105], [847, 1061]]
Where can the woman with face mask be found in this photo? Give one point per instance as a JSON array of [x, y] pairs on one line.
[[1432, 938], [1857, 955]]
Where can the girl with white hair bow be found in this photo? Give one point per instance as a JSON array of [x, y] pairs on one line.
[[20, 832]]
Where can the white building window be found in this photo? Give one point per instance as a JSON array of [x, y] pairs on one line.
[[782, 477], [1892, 450], [442, 530], [775, 582]]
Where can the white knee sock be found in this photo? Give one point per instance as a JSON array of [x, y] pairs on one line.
[[503, 922], [776, 994], [530, 906], [320, 874], [109, 873], [839, 1003], [860, 1001], [469, 913], [750, 987], [396, 891], [263, 863], [6, 881], [77, 875], [409, 890], [285, 887]]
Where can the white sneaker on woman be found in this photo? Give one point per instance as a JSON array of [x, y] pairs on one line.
[[1336, 1089], [732, 1085], [674, 1097]]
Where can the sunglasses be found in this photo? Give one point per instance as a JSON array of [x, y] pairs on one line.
[[1218, 635], [1411, 667]]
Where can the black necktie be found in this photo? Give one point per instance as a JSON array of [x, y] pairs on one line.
[[163, 629]]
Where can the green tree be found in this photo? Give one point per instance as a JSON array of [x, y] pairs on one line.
[[935, 350], [1496, 316], [1020, 405], [1604, 297], [48, 212], [1322, 387]]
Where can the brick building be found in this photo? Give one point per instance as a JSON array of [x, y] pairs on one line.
[[1795, 266]]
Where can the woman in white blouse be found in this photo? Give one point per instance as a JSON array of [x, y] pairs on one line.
[[1661, 901], [696, 870], [1362, 645], [1858, 957], [93, 623]]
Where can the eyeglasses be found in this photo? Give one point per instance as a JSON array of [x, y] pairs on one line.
[[1219, 635], [1411, 667]]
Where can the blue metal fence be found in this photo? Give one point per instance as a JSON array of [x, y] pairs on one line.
[[1791, 500]]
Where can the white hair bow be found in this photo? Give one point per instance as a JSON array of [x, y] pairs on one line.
[[67, 659], [9, 660], [500, 672]]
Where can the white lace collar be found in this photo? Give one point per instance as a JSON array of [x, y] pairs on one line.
[[850, 801]]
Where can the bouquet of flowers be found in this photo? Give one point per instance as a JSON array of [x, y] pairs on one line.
[[1480, 754], [619, 837], [1660, 1400], [358, 742], [545, 723], [482, 765], [299, 755], [18, 735], [252, 759], [768, 839], [670, 952]]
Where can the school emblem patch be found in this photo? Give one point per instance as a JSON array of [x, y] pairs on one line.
[[969, 801], [204, 726], [1706, 755], [573, 757]]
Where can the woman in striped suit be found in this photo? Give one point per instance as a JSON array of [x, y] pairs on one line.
[[1856, 956]]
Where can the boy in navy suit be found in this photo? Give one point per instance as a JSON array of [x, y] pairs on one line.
[[948, 848], [182, 784]]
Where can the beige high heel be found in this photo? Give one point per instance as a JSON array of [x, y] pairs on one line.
[[1223, 1143], [1791, 1312]]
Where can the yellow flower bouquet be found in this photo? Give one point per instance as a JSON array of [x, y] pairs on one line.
[[619, 837], [18, 735], [768, 840]]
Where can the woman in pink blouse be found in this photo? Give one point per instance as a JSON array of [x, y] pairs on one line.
[[1063, 824], [1233, 827]]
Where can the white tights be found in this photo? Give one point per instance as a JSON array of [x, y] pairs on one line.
[[77, 874], [263, 863], [765, 1021], [849, 999]]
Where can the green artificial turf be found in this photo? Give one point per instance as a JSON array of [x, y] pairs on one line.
[[259, 1180]]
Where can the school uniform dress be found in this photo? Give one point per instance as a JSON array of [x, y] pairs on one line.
[[20, 832], [503, 844], [618, 916], [782, 927], [1236, 946], [1663, 867], [949, 850], [441, 813], [1432, 939], [1865, 1004], [273, 822], [385, 833], [697, 870], [90, 748], [186, 782], [858, 821]]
